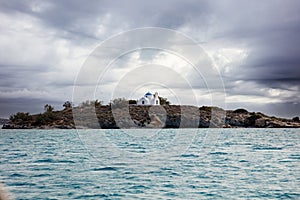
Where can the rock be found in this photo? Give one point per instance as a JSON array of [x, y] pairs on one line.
[[226, 126], [155, 122], [260, 123], [167, 116]]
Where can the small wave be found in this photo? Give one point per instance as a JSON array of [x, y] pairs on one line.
[[17, 175], [189, 156], [285, 161], [38, 168], [132, 177], [203, 176], [169, 186], [135, 187], [140, 151], [289, 196], [49, 160], [294, 156], [172, 194], [165, 168], [218, 153], [22, 184], [266, 148], [91, 196], [65, 161], [41, 175], [105, 169]]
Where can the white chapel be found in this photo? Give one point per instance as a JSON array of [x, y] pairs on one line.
[[149, 99]]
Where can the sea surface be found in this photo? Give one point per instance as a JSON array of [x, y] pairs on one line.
[[151, 164]]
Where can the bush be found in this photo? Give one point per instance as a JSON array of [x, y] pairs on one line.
[[20, 116], [164, 101], [45, 118], [67, 105], [119, 103], [240, 110], [205, 108], [210, 108], [40, 120], [89, 103], [132, 102], [296, 119], [48, 108]]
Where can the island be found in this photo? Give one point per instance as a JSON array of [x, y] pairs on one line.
[[124, 114]]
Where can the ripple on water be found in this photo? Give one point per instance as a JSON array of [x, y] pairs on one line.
[[105, 169], [266, 147], [247, 163], [14, 175]]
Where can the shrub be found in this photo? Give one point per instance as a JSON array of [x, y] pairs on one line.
[[67, 105], [296, 119], [119, 103], [132, 102], [48, 108], [40, 120], [20, 116], [205, 108], [240, 110], [89, 103], [45, 118], [164, 101]]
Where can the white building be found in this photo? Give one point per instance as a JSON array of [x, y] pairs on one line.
[[149, 99]]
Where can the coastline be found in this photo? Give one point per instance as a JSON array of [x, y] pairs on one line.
[[145, 117]]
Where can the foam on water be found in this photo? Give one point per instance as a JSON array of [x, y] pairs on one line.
[[239, 164]]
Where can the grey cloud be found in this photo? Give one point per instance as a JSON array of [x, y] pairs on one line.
[[283, 109], [80, 20], [10, 106], [268, 29]]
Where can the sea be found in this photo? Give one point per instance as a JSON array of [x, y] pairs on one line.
[[151, 163]]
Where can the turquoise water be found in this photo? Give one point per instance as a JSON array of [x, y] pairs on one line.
[[151, 164]]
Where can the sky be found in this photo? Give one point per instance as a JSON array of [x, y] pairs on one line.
[[253, 47]]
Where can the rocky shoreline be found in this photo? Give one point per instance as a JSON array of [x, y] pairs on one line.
[[132, 116]]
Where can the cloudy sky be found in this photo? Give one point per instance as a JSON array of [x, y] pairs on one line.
[[254, 46]]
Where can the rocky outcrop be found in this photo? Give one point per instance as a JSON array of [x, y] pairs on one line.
[[3, 121], [167, 116]]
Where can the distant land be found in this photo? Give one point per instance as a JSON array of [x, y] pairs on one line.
[[133, 116]]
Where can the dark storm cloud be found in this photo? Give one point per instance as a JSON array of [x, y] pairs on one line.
[[78, 19], [275, 58], [271, 32], [268, 30]]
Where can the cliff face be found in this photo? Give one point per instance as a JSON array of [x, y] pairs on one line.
[[168, 116]]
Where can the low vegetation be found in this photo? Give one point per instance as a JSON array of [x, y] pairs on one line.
[[122, 113]]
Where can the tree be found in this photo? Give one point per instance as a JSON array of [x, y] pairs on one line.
[[296, 119], [164, 101], [48, 108], [240, 110], [89, 103], [20, 116], [131, 102], [119, 103], [97, 102], [85, 103], [67, 105]]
